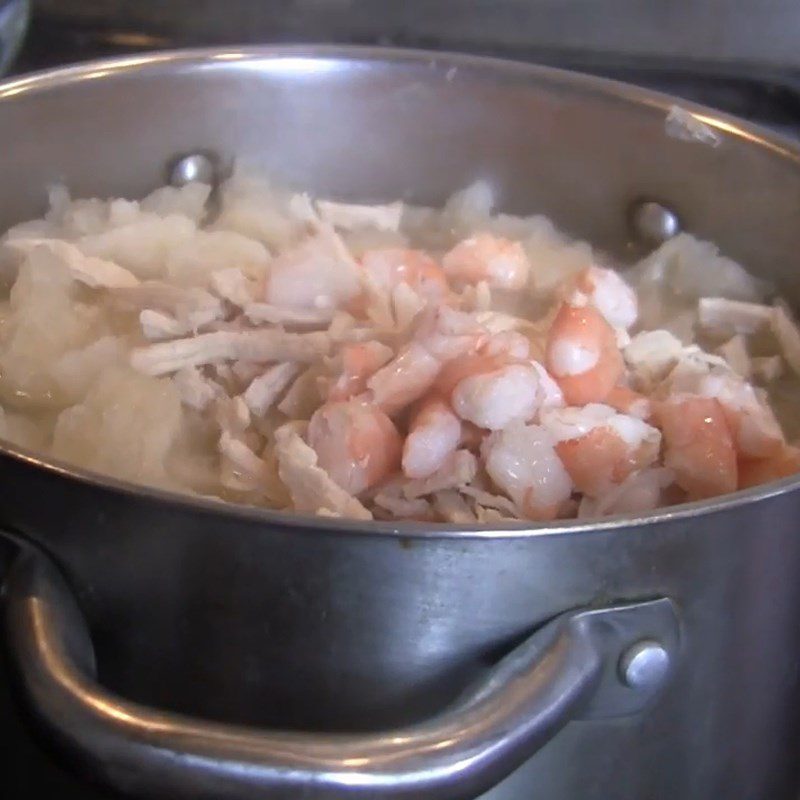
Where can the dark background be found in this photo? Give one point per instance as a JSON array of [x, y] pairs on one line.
[[739, 55]]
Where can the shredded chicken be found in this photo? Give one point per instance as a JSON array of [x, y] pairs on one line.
[[197, 391], [734, 351], [234, 286], [767, 368], [349, 216], [788, 335], [489, 500], [456, 473], [303, 396], [265, 390], [721, 316], [191, 307], [392, 499], [243, 471], [452, 507], [256, 345], [310, 487], [264, 312], [157, 326]]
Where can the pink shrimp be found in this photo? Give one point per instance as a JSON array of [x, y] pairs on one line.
[[582, 355], [523, 464], [447, 333], [512, 344], [471, 436], [492, 391], [494, 399], [390, 267], [498, 384], [434, 433], [486, 355], [606, 290], [698, 445], [485, 257], [753, 472], [458, 369], [626, 401], [358, 362], [599, 447], [355, 442], [756, 432], [442, 335], [406, 378]]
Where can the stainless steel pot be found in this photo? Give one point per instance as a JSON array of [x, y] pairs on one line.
[[261, 655]]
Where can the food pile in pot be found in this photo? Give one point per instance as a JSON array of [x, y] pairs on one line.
[[388, 361]]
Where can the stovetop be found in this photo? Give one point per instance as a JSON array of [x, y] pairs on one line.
[[759, 91], [766, 94]]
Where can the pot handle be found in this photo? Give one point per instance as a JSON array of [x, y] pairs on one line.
[[586, 663]]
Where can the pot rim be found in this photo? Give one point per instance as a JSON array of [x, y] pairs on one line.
[[299, 55]]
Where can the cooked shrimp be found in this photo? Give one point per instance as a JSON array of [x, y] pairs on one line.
[[494, 399], [511, 344], [434, 433], [458, 369], [493, 353], [471, 436], [358, 362], [355, 442], [698, 445], [485, 257], [391, 267], [550, 394], [497, 384], [522, 462], [582, 355], [406, 378], [599, 447], [626, 401], [753, 472], [443, 335], [756, 432], [447, 333], [606, 290]]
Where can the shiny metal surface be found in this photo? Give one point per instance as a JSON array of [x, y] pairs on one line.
[[259, 619], [644, 665], [560, 673], [654, 223], [192, 167]]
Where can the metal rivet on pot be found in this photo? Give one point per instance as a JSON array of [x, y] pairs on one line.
[[192, 167], [644, 665], [654, 223]]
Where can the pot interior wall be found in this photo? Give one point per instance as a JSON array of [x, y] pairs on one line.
[[363, 128]]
